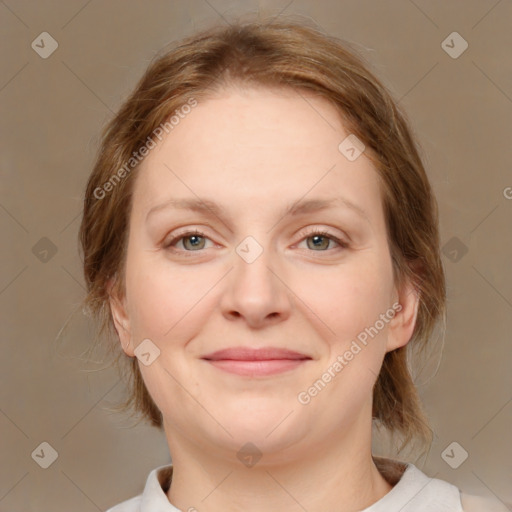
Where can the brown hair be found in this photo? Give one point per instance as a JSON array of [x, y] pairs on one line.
[[295, 55]]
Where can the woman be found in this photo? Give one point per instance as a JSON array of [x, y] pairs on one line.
[[260, 232]]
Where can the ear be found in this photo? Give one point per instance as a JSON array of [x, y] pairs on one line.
[[120, 317], [401, 327]]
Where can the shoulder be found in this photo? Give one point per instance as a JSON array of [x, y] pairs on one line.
[[153, 496], [414, 491], [131, 505], [472, 503]]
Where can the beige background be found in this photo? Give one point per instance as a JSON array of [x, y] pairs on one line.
[[52, 111]]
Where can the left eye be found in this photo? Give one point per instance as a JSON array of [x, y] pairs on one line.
[[320, 240]]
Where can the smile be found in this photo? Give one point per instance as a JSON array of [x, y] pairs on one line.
[[256, 362], [260, 368]]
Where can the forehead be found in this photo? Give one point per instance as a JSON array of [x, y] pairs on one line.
[[259, 117], [250, 144]]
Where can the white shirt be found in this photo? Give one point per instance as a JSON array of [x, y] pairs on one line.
[[413, 492]]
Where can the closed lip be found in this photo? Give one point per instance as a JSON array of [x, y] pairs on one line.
[[251, 354]]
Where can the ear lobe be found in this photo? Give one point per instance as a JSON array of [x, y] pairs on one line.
[[401, 327], [120, 318]]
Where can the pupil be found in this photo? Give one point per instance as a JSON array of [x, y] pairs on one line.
[[194, 241], [317, 238]]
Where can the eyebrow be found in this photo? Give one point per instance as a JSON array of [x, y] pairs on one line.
[[209, 207]]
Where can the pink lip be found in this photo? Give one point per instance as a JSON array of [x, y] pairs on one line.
[[256, 362]]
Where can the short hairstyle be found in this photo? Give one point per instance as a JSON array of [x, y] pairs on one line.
[[284, 54]]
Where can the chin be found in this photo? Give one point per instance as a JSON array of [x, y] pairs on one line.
[[268, 433]]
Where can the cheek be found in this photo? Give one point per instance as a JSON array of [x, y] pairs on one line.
[[351, 304], [348, 299], [163, 299]]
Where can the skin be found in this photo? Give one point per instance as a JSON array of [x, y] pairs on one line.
[[254, 151]]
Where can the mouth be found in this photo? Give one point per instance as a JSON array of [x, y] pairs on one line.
[[256, 362]]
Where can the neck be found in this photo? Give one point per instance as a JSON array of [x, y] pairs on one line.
[[339, 474]]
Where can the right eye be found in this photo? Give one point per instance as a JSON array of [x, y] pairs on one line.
[[193, 236]]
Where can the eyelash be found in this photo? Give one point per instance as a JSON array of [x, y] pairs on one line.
[[311, 233]]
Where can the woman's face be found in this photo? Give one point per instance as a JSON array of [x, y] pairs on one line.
[[258, 277]]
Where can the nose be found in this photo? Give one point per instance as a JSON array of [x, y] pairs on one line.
[[256, 291]]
